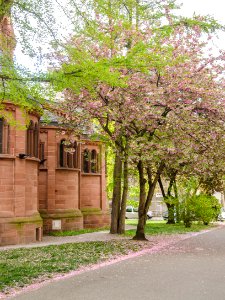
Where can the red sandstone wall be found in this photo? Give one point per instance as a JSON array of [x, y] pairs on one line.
[[90, 191], [6, 187], [31, 189], [26, 172], [93, 186], [58, 187], [19, 218], [42, 189], [66, 189]]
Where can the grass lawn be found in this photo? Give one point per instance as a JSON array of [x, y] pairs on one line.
[[152, 228], [19, 267], [160, 227], [77, 232]]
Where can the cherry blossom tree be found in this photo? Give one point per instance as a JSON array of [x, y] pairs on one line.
[[148, 83]]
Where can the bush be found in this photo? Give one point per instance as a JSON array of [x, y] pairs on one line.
[[204, 208]]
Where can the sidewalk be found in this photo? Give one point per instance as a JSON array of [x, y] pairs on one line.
[[86, 237]]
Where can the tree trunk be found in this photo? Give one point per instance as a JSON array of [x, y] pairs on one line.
[[144, 202], [187, 214], [121, 228], [170, 208], [167, 197], [177, 202], [161, 187], [117, 173], [140, 233], [151, 186], [170, 215], [187, 219]]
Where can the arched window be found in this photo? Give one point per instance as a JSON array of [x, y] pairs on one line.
[[86, 161], [1, 135], [90, 161], [94, 161], [62, 154], [4, 136], [32, 139], [42, 153], [36, 137], [67, 155]]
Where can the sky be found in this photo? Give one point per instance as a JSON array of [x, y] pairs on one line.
[[214, 8]]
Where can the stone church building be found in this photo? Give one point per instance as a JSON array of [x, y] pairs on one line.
[[43, 187]]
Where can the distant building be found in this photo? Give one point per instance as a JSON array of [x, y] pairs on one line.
[[158, 205]]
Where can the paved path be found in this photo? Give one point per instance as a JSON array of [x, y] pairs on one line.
[[191, 269], [86, 237], [53, 240]]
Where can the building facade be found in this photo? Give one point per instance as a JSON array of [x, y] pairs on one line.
[[45, 184]]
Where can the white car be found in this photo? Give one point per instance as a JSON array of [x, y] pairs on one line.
[[221, 216], [132, 213]]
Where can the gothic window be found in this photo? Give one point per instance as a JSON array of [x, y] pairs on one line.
[[36, 137], [86, 161], [4, 137], [42, 151], [67, 155], [90, 161], [94, 161], [42, 154], [1, 135], [30, 132], [61, 154], [32, 139]]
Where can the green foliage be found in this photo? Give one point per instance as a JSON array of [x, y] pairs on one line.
[[201, 207], [171, 200], [133, 203], [32, 21], [109, 169], [205, 208], [5, 7]]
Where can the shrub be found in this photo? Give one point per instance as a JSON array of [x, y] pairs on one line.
[[204, 208]]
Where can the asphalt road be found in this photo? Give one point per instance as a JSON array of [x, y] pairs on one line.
[[192, 269]]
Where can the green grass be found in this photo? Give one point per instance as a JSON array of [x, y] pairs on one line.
[[77, 232], [19, 267], [160, 227], [152, 228]]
